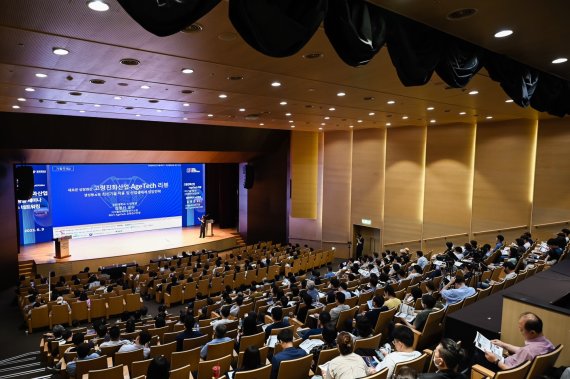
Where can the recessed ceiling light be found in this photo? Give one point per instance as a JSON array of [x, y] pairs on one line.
[[390, 102], [341, 94], [327, 118], [430, 108], [96, 105], [223, 96], [261, 124], [16, 106], [509, 101], [371, 114], [187, 71], [320, 128], [145, 86], [332, 109], [29, 89], [432, 121], [185, 118], [404, 117], [137, 115], [159, 110], [351, 126], [489, 117], [210, 115], [560, 60], [503, 33], [462, 13], [287, 114], [186, 105], [82, 111], [59, 51], [21, 99], [474, 92], [388, 124], [323, 124], [41, 75], [283, 103], [117, 97], [242, 109], [291, 121], [276, 84], [98, 5], [462, 113], [292, 126], [359, 121]]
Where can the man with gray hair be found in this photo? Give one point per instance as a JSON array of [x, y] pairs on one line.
[[312, 291]]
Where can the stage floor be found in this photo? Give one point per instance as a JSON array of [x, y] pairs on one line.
[[151, 243]]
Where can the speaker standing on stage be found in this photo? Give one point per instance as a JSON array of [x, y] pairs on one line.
[[202, 226], [359, 245]]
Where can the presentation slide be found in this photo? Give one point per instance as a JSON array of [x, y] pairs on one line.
[[92, 200]]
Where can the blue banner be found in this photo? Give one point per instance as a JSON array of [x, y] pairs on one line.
[[34, 215], [193, 193]]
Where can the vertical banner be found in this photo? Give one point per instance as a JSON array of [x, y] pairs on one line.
[[193, 193], [35, 216]]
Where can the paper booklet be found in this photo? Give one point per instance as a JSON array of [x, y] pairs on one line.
[[309, 344], [406, 312], [271, 341], [370, 305], [483, 344]]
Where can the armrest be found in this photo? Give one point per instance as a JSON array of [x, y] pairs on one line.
[[480, 372], [109, 362]]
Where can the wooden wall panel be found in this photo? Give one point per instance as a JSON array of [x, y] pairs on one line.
[[367, 194], [337, 176], [551, 193], [448, 183], [403, 208], [504, 160], [304, 174]]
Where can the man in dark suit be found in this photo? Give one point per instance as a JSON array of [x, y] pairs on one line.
[[188, 331], [202, 226], [278, 323]]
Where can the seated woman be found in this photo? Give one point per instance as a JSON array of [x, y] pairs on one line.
[[329, 337], [251, 359], [348, 365]]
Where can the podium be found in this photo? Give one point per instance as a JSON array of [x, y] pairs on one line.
[[62, 247], [209, 228]]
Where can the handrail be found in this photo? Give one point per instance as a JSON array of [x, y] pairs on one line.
[[552, 223], [501, 229], [446, 237], [401, 242]]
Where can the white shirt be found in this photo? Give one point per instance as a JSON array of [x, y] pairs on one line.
[[349, 366], [394, 358]]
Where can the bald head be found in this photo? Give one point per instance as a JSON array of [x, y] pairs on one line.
[[530, 325]]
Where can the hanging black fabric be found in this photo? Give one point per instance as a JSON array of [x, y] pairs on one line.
[[548, 90], [415, 49], [166, 17], [517, 80], [356, 30], [460, 61], [277, 28]]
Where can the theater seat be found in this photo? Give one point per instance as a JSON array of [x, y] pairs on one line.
[[520, 372]]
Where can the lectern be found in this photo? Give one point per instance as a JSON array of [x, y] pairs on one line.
[[62, 247], [209, 228]]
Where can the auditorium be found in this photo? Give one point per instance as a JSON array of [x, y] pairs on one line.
[[355, 188]]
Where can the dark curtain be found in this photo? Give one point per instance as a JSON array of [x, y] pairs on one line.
[[222, 193]]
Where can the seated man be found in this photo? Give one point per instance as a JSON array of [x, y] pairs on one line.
[[82, 355], [141, 342], [219, 337], [530, 326], [115, 338], [285, 338], [188, 331], [446, 358], [428, 305], [278, 323], [377, 307], [225, 313], [324, 318], [403, 342], [340, 306], [458, 293]]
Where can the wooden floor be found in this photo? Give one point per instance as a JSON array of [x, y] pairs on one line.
[[121, 248]]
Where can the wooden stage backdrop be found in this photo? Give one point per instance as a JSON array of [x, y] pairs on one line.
[[139, 247]]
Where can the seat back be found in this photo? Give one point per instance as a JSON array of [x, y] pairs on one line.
[[431, 332], [109, 350], [84, 366], [368, 343], [159, 331], [128, 358], [205, 367], [166, 349], [254, 340], [79, 311], [133, 302], [453, 307], [260, 373], [140, 368], [180, 373], [189, 292], [543, 362], [39, 318], [295, 368], [169, 337], [325, 356], [191, 343], [383, 321], [382, 374], [116, 305], [345, 316], [98, 309], [218, 350], [483, 293], [417, 364], [470, 300], [175, 295], [187, 357], [115, 372], [263, 352]]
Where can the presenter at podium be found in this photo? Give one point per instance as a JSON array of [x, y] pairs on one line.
[[202, 226]]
